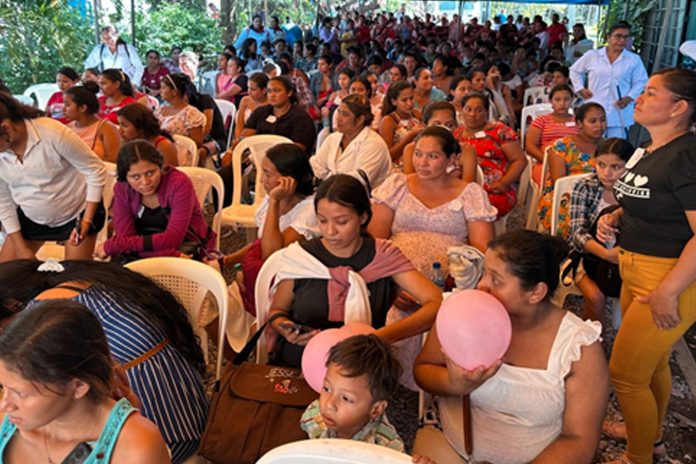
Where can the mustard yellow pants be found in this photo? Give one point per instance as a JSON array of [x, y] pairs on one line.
[[639, 364]]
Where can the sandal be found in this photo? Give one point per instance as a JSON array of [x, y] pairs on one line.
[[614, 429]]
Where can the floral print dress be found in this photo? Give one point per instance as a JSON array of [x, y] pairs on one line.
[[488, 145], [576, 162]]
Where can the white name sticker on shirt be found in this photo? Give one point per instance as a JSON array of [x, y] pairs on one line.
[[637, 155], [271, 119], [570, 124], [480, 134]]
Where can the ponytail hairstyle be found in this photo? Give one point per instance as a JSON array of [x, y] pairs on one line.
[[85, 95], [121, 78], [532, 257], [58, 341], [144, 120], [132, 152], [393, 92], [70, 73], [679, 82], [181, 84], [347, 191], [615, 146], [448, 143]]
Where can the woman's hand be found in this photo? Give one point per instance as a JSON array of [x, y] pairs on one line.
[[497, 187], [463, 381], [585, 94], [611, 255], [418, 459], [284, 189], [292, 333], [664, 308], [77, 236], [608, 226], [99, 251]]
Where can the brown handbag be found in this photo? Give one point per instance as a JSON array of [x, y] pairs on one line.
[[257, 408]]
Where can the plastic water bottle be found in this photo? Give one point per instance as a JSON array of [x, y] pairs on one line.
[[610, 243], [437, 276]]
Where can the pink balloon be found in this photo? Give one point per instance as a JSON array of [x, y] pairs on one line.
[[315, 354], [474, 329], [358, 328]]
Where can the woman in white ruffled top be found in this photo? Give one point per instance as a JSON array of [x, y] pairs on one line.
[[544, 401], [426, 212]]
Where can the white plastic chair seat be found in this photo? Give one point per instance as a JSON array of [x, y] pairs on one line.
[[333, 451], [239, 214], [42, 93], [228, 111], [190, 281], [536, 95], [203, 180], [186, 149]]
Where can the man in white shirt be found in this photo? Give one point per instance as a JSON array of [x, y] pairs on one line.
[[615, 78], [115, 53]]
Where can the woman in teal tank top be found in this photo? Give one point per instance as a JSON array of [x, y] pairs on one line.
[[62, 399]]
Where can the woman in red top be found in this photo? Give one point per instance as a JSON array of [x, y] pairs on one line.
[[497, 151], [153, 74], [117, 92], [65, 78], [138, 122]]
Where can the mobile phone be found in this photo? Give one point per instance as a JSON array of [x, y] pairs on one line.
[[79, 454], [299, 328], [77, 230]]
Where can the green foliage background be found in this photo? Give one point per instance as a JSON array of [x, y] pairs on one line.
[[37, 37]]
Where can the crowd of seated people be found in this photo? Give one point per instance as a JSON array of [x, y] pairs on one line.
[[406, 140]]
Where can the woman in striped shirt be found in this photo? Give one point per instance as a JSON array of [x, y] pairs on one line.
[[147, 330], [548, 128]]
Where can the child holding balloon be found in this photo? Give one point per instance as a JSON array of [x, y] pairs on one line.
[[534, 404], [362, 374]]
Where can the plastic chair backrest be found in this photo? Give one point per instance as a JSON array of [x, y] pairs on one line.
[[153, 102], [262, 296], [186, 150], [229, 113], [257, 145], [190, 281], [536, 95], [333, 451], [561, 192], [107, 198], [24, 99], [203, 180], [529, 114], [41, 93], [479, 175]]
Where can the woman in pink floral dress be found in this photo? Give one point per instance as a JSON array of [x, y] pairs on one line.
[[496, 149]]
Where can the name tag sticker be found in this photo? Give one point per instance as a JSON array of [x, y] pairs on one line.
[[271, 119], [637, 155], [570, 124], [480, 134]]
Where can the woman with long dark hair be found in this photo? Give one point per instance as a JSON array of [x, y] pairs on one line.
[[307, 295], [50, 184], [180, 116], [155, 209], [137, 122], [147, 330], [117, 93], [62, 398]]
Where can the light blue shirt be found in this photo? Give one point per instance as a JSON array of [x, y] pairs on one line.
[[609, 82]]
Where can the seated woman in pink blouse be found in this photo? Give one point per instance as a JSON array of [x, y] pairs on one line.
[[155, 209], [426, 212], [179, 117]]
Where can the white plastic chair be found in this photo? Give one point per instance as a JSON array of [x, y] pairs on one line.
[[153, 103], [238, 214], [535, 95], [529, 114], [333, 451], [24, 99], [187, 150], [229, 111], [562, 188], [532, 214], [203, 180], [262, 296], [41, 93], [190, 281]]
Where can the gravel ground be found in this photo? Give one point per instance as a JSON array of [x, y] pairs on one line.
[[680, 430]]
